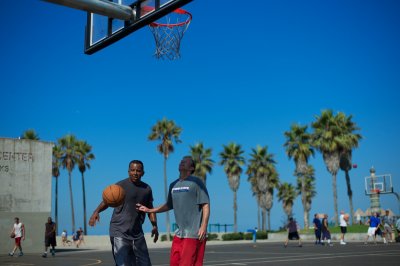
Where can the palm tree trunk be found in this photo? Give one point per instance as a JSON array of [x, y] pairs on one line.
[[234, 211], [84, 205], [258, 216], [304, 200], [306, 222], [263, 219], [166, 199], [56, 206], [72, 201], [350, 194], [269, 220], [335, 205]]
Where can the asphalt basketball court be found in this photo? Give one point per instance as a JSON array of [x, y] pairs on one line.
[[235, 254]]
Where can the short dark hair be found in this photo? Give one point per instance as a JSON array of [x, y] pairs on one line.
[[193, 162], [136, 162]]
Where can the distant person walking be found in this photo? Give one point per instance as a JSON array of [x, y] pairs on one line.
[[343, 227], [189, 198], [18, 232], [326, 234], [317, 229], [50, 237], [293, 233]]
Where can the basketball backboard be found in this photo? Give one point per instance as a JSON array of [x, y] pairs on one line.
[[381, 184], [102, 31]]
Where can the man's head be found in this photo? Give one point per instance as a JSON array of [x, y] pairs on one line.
[[135, 170], [16, 220], [341, 212], [49, 220], [387, 212], [187, 166]]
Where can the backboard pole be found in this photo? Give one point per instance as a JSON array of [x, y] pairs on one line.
[[101, 7]]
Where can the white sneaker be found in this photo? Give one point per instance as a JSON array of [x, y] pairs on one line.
[[342, 243]]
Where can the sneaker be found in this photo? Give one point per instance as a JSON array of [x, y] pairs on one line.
[[342, 243], [300, 245], [53, 253], [285, 245], [44, 255], [365, 243], [11, 254], [20, 254]]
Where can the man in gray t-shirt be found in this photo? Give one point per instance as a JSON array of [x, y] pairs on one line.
[[189, 199]]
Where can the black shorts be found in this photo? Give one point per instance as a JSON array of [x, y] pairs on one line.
[[50, 241], [293, 236], [343, 229]]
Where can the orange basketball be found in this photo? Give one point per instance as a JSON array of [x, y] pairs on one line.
[[346, 217], [113, 195]]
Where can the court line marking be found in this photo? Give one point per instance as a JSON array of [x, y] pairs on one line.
[[272, 260], [95, 263]]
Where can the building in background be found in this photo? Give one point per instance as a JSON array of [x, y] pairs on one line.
[[25, 190]]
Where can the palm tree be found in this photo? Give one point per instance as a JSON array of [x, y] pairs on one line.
[[167, 132], [263, 178], [68, 159], [232, 160], [30, 134], [202, 158], [287, 194], [298, 147], [56, 173], [345, 163], [258, 194], [306, 188], [328, 139], [84, 156]]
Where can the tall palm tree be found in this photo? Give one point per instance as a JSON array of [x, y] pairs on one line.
[[328, 139], [167, 132], [55, 170], [351, 141], [202, 158], [263, 178], [84, 156], [30, 134], [306, 188], [232, 160], [298, 147], [68, 160], [258, 194], [287, 194]]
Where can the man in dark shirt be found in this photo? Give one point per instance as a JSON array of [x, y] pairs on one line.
[[293, 233], [126, 234], [50, 237], [317, 229]]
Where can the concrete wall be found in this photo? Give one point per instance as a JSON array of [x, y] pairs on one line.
[[25, 190]]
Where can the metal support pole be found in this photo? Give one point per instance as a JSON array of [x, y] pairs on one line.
[[101, 7]]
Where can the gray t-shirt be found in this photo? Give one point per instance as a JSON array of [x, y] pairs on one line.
[[126, 221], [186, 197]]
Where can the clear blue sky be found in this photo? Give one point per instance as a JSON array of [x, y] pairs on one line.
[[246, 74]]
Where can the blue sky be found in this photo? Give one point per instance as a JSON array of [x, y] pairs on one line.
[[246, 74]]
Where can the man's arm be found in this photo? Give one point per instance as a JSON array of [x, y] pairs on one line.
[[204, 221], [162, 208], [95, 216], [154, 231]]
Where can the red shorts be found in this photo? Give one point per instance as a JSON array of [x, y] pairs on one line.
[[18, 241], [187, 252]]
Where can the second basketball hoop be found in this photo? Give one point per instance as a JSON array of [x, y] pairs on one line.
[[169, 33]]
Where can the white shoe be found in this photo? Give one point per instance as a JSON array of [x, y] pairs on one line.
[[342, 243]]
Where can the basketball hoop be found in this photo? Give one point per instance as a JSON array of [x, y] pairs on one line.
[[168, 35], [375, 191]]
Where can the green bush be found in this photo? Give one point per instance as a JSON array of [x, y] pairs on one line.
[[212, 237], [262, 235], [233, 236], [164, 237]]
